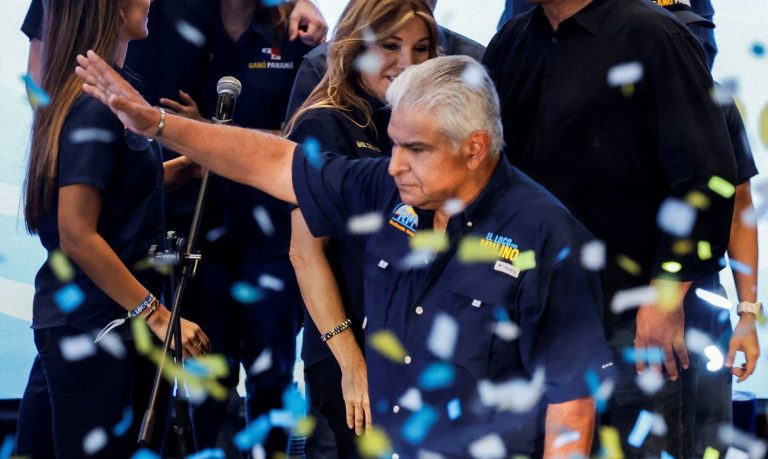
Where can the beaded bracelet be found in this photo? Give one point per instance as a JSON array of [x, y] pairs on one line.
[[336, 330]]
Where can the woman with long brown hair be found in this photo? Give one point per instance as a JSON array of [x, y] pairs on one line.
[[94, 195], [374, 42]]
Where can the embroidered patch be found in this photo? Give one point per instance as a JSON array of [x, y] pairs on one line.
[[507, 269], [405, 219]]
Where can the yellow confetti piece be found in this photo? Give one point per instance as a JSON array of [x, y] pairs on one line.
[[611, 443], [629, 265], [711, 453], [763, 125], [375, 443], [721, 186], [704, 250], [526, 260], [305, 427], [141, 336], [670, 296], [671, 267], [628, 90], [682, 247], [434, 241], [61, 267], [697, 200], [386, 343], [215, 364], [472, 250]]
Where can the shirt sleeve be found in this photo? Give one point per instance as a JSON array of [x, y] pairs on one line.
[[745, 163], [88, 145], [563, 310], [693, 146], [33, 21], [332, 188]]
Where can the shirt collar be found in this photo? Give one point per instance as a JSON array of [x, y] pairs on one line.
[[590, 18]]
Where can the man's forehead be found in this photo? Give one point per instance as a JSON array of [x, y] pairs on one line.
[[412, 126]]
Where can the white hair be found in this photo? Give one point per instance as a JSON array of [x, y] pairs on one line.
[[458, 92]]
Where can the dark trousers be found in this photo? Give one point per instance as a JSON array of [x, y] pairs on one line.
[[65, 400]]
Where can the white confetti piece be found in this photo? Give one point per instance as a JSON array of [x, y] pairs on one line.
[[365, 223], [730, 435], [625, 74], [190, 33], [215, 234], [411, 400], [428, 455], [94, 441], [713, 299], [453, 206], [473, 76], [369, 36], [624, 300], [676, 217], [264, 221], [593, 255], [74, 348], [417, 259], [715, 357], [112, 344], [270, 282], [721, 95], [517, 395], [649, 381], [442, 339], [488, 447], [735, 453], [659, 426], [696, 341], [567, 438], [258, 452], [369, 63], [262, 363], [91, 135], [507, 331]]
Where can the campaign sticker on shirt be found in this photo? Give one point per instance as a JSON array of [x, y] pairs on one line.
[[503, 246], [405, 219]]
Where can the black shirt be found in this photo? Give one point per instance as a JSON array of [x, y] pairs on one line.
[[128, 171], [342, 132], [613, 154]]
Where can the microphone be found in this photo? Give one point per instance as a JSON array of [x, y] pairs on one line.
[[228, 88]]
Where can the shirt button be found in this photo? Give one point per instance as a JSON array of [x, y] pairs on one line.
[[554, 40], [407, 360], [419, 310], [396, 409]]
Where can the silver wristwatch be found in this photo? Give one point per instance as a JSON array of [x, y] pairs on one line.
[[746, 306]]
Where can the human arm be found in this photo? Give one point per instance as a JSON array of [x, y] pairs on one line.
[[307, 23], [78, 214], [321, 295], [178, 171], [573, 416]]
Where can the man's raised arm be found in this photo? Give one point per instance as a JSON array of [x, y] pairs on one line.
[[247, 156]]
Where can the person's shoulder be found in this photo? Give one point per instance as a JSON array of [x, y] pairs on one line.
[[317, 53], [645, 17], [90, 113], [460, 45]]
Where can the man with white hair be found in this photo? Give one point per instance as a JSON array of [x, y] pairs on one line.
[[479, 319]]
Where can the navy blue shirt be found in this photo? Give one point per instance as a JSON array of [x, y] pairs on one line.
[[557, 305], [128, 171], [314, 65], [342, 132], [613, 158]]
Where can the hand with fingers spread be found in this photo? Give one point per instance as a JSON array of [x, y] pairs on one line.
[[187, 107], [194, 341], [307, 23], [354, 387], [744, 339]]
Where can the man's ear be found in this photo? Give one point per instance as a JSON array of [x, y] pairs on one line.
[[476, 148]]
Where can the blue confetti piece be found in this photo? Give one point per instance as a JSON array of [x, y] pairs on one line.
[[758, 49], [312, 151], [666, 455], [563, 254], [294, 402], [418, 425], [209, 453], [7, 448], [246, 293], [740, 267], [122, 427], [145, 454], [69, 298], [195, 368], [652, 355], [437, 376], [37, 96], [641, 430], [454, 409], [254, 433], [501, 314], [270, 3], [593, 384]]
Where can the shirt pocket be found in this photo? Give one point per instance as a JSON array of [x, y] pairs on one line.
[[381, 277]]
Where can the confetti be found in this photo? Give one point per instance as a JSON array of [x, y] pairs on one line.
[[507, 331], [365, 223], [36, 95], [566, 438], [601, 391], [74, 348], [758, 49], [442, 339], [369, 63], [629, 265], [271, 3], [563, 254], [697, 200], [304, 427], [517, 395], [763, 125], [125, 423], [732, 436], [641, 430], [682, 247], [671, 267], [611, 443], [208, 366], [721, 95], [711, 453], [453, 206], [473, 76], [417, 426], [433, 241], [141, 336], [739, 267], [216, 234], [262, 363], [112, 344], [190, 33], [437, 376], [145, 454], [411, 399], [659, 426], [312, 152], [7, 448], [374, 443], [652, 355], [676, 217], [254, 433], [270, 282], [282, 418], [721, 186], [91, 135], [666, 455], [472, 250], [713, 299], [734, 453], [525, 260], [649, 381], [369, 36], [715, 357], [593, 255], [69, 298], [697, 341], [386, 343], [488, 447], [454, 409], [294, 402], [625, 74], [704, 250], [246, 293], [417, 259], [61, 267], [625, 300], [208, 453], [94, 441], [262, 218]]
